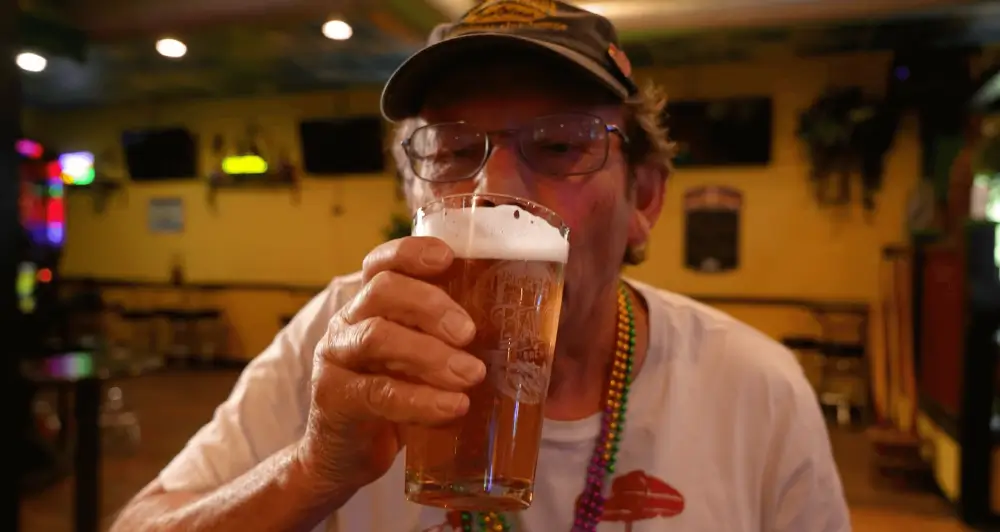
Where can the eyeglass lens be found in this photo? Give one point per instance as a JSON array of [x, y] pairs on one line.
[[559, 145]]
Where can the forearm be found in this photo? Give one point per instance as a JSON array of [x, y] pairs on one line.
[[278, 494]]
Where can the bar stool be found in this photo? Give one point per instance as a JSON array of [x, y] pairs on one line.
[[208, 334], [180, 333], [808, 351], [120, 427], [141, 330], [844, 385]]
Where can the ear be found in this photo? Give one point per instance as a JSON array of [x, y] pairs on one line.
[[648, 187]]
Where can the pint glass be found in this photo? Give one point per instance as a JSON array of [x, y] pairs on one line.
[[508, 275]]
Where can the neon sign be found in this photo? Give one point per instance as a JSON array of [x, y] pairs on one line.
[[244, 165], [77, 168], [29, 149]]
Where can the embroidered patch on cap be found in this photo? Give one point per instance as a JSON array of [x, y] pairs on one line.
[[621, 60]]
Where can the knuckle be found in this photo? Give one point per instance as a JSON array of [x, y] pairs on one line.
[[353, 394], [381, 393], [374, 259], [381, 283], [371, 335], [331, 346]]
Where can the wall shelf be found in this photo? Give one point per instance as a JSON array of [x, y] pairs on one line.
[[100, 191]]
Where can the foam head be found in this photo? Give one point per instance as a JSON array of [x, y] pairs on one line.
[[505, 232]]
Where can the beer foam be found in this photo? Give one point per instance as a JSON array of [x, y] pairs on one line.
[[504, 232]]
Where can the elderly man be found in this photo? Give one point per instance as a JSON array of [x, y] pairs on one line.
[[721, 432]]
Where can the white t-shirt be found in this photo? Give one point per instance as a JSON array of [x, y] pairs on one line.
[[722, 425]]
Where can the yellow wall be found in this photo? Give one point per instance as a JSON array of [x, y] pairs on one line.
[[790, 247]]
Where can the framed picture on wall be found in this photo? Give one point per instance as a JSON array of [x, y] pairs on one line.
[[166, 215], [712, 229]]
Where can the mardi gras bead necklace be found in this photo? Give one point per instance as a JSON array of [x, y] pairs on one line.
[[590, 506]]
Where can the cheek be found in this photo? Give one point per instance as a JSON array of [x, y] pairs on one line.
[[596, 215]]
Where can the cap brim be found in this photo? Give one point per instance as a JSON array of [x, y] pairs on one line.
[[404, 93]]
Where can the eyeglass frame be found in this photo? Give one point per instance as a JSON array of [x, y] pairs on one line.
[[608, 128]]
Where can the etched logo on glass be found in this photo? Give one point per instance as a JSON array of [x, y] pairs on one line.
[[512, 295]]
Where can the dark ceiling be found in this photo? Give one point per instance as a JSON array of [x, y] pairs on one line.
[[228, 61], [289, 53]]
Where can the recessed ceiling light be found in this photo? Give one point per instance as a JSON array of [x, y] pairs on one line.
[[337, 30], [596, 9], [31, 62], [171, 48]]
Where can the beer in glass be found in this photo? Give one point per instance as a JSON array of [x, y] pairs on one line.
[[508, 275]]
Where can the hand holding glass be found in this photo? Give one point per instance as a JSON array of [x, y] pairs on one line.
[[508, 275]]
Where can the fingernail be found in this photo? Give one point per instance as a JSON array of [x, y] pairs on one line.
[[434, 255], [457, 325], [467, 367], [453, 403]]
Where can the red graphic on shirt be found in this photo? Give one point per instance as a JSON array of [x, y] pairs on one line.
[[637, 496], [452, 522]]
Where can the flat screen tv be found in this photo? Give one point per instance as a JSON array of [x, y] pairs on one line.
[[160, 154], [724, 132], [341, 146]]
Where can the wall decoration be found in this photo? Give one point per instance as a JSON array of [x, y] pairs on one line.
[[166, 215], [712, 228], [399, 226], [250, 161], [847, 132]]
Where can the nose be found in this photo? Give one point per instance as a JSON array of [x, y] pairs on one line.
[[505, 172]]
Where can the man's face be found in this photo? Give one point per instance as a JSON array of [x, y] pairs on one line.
[[598, 207]]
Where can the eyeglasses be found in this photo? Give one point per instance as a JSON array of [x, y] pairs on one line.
[[557, 146]]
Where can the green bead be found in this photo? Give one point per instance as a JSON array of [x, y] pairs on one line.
[[611, 468]]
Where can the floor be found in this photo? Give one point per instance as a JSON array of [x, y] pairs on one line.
[[173, 405]]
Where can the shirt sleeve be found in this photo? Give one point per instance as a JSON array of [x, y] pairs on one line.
[[265, 412], [803, 490]]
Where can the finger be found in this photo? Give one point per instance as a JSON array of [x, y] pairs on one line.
[[379, 345], [417, 256], [381, 396], [413, 303]]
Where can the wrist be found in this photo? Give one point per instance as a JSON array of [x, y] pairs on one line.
[[311, 474]]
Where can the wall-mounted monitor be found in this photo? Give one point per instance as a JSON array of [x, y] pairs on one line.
[[724, 132], [341, 146], [160, 154]]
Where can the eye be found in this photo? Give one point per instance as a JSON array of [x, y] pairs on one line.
[[554, 147]]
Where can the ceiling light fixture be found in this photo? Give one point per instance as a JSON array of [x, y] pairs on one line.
[[31, 62], [171, 48], [596, 9], [337, 30]]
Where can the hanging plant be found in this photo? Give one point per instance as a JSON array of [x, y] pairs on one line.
[[847, 132], [986, 155], [399, 226]]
